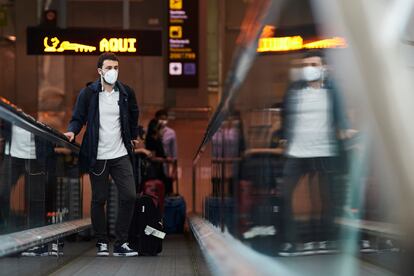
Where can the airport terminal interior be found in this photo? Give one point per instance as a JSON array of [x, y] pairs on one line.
[[206, 137]]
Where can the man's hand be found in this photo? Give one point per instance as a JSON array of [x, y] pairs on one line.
[[347, 133], [137, 144], [70, 136], [143, 151]]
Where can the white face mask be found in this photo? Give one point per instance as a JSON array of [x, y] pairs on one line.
[[311, 73], [295, 74], [111, 76], [163, 122]]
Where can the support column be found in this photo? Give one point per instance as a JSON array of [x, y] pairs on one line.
[[52, 79], [26, 66]]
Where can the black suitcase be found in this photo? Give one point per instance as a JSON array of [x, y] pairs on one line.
[[146, 230], [266, 230]]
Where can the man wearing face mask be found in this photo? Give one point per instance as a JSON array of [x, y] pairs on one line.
[[110, 112], [313, 122]]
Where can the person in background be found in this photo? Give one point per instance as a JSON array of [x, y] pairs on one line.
[[153, 143], [169, 142]]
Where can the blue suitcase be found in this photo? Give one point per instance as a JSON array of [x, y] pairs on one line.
[[174, 214]]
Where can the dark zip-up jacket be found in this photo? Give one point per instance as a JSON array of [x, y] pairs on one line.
[[86, 111]]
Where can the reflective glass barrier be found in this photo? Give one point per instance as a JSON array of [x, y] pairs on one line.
[[40, 182], [300, 157]]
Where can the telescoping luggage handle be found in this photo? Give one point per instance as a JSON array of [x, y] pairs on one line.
[[175, 169], [175, 164], [164, 161]]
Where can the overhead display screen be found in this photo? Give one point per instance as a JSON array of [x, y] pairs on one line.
[[85, 41], [182, 56]]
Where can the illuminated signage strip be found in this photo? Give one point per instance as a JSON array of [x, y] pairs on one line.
[[295, 43], [79, 41], [182, 56]]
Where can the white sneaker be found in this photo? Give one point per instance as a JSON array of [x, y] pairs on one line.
[[124, 251], [288, 250], [102, 249], [56, 250], [391, 247], [323, 247], [36, 251], [309, 248], [366, 247]]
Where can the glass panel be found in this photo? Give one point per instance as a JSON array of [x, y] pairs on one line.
[[39, 181], [306, 161]]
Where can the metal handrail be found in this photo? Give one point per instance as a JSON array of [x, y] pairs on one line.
[[19, 241], [376, 228], [15, 115], [191, 109], [226, 160]]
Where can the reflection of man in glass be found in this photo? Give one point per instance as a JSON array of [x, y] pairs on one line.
[[21, 154], [313, 121]]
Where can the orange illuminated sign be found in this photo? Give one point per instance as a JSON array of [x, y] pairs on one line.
[[268, 31], [88, 41], [57, 46], [294, 43], [121, 45], [335, 42]]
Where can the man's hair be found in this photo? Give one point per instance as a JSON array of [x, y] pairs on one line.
[[106, 56], [161, 112], [315, 53]]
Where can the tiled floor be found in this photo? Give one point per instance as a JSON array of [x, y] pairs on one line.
[[178, 258]]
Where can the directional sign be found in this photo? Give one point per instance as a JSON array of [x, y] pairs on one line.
[[183, 44]]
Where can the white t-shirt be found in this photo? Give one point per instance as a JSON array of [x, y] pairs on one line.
[[110, 145], [22, 144], [312, 133]]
